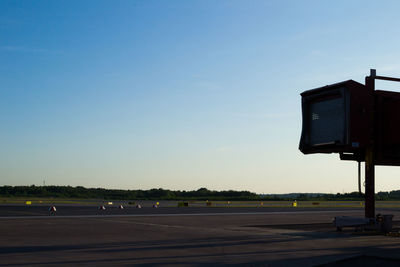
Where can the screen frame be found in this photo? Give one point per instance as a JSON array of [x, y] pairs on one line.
[[339, 91]]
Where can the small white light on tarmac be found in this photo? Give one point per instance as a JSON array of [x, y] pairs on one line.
[[53, 208], [121, 207], [138, 206], [102, 207]]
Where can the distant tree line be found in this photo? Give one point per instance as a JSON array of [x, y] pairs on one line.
[[164, 194], [101, 193]]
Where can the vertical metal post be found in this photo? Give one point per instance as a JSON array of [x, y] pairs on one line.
[[369, 155], [359, 178], [369, 184]]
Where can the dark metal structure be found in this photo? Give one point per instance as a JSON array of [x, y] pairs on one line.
[[336, 118], [356, 121]]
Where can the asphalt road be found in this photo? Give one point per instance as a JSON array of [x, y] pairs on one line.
[[113, 210], [84, 235]]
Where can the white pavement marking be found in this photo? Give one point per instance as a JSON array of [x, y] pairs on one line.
[[178, 214]]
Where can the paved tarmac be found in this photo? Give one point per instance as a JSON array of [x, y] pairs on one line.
[[31, 236], [16, 210]]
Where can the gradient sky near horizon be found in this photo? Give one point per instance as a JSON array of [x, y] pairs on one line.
[[182, 94]]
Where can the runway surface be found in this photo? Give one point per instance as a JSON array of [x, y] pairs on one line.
[[26, 211], [84, 235]]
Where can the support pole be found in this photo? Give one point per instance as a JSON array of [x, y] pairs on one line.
[[369, 154], [359, 178], [369, 184]]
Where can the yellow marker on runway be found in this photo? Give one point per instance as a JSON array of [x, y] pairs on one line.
[[28, 202], [294, 204]]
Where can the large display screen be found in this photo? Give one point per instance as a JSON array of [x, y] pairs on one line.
[[327, 121], [337, 119]]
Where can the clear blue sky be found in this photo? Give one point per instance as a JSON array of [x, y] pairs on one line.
[[181, 94]]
